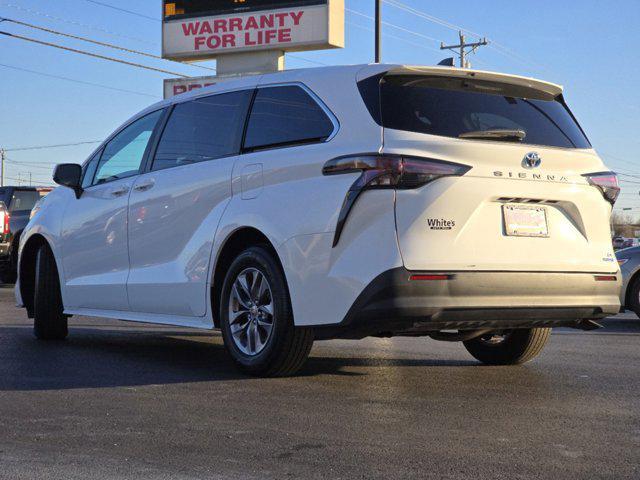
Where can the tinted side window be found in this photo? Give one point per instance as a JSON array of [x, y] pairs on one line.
[[285, 116], [89, 170], [123, 155], [203, 129]]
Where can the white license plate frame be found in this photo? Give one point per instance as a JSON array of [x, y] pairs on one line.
[[525, 221]]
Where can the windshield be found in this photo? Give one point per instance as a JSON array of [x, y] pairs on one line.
[[463, 108]]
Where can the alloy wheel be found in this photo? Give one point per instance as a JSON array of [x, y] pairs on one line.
[[251, 315]]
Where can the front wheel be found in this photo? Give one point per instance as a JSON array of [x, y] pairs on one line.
[[256, 317], [509, 347], [50, 322]]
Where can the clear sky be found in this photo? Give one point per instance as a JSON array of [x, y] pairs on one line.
[[591, 47]]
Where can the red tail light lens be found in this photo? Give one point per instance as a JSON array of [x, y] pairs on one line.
[[386, 171], [4, 222], [380, 171], [607, 183]]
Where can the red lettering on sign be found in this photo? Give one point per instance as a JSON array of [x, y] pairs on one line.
[[190, 28], [251, 24], [281, 18], [220, 25], [266, 29], [296, 16], [247, 40], [199, 42], [266, 21], [270, 35], [205, 29], [228, 40], [284, 35], [235, 24]]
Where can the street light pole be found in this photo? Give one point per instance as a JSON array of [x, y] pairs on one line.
[[2, 159], [378, 30]]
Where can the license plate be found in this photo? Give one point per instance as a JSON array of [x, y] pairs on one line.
[[525, 221]]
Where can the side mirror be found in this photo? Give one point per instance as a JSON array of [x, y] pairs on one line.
[[69, 175]]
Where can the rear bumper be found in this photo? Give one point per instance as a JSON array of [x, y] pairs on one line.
[[393, 304], [5, 255]]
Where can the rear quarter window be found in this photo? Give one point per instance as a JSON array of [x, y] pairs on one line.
[[283, 116]]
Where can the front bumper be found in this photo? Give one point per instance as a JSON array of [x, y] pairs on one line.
[[394, 304]]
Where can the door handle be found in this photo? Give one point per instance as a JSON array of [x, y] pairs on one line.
[[120, 191], [143, 187]]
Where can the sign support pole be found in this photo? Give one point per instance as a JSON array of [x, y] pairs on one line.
[[378, 31]]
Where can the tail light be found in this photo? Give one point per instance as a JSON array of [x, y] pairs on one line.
[[4, 222], [607, 183], [386, 171]]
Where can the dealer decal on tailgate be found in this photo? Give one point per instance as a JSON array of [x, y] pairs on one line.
[[440, 224]]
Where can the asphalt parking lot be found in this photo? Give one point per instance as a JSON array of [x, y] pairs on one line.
[[122, 400]]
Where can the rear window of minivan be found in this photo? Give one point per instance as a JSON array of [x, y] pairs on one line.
[[452, 107]]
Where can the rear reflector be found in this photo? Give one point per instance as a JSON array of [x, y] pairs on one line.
[[605, 278], [430, 277]]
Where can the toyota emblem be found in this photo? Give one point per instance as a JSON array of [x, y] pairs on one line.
[[531, 160]]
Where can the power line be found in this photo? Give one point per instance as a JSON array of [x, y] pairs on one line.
[[24, 180], [395, 37], [28, 165], [298, 57], [426, 16], [392, 25], [131, 12], [461, 49], [494, 45], [29, 162], [95, 55], [82, 82], [77, 24], [96, 42], [44, 147]]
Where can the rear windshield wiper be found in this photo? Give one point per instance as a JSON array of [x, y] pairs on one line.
[[497, 134]]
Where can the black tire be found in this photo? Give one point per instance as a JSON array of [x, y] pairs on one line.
[[516, 347], [50, 323], [287, 347], [633, 296], [8, 276]]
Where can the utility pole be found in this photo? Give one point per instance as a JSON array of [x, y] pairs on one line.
[[2, 158], [461, 49], [378, 31]]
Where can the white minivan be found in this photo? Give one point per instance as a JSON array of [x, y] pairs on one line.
[[338, 202]]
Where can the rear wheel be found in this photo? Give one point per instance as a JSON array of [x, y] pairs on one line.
[[256, 317], [510, 347], [50, 323]]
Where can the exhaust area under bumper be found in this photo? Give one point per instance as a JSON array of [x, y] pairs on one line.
[[400, 302]]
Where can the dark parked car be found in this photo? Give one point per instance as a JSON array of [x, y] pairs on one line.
[[15, 208], [629, 261], [618, 242]]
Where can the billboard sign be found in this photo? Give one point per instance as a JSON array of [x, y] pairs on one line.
[[176, 86], [205, 29]]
